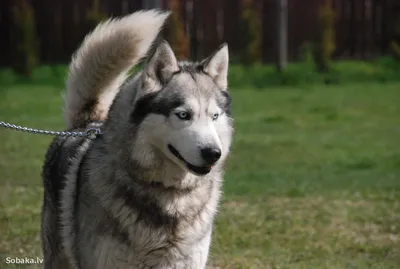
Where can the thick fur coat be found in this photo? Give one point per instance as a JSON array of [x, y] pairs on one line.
[[144, 194]]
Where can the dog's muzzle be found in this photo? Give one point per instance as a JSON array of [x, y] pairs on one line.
[[200, 170]]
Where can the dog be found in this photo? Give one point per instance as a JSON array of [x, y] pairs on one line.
[[144, 193]]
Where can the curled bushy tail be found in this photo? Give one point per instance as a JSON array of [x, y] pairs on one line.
[[103, 61]]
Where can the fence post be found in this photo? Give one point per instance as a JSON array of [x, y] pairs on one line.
[[282, 32], [149, 4]]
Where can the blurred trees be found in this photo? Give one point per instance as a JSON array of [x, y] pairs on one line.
[[25, 52], [176, 34], [395, 43], [325, 43], [364, 27], [282, 37], [94, 15], [250, 33]]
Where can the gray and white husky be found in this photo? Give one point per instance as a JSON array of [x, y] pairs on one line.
[[144, 194]]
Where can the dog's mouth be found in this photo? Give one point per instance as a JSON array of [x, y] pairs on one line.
[[201, 170]]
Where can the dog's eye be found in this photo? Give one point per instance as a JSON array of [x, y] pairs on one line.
[[183, 115], [215, 116]]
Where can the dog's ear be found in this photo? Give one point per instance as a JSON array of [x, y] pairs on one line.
[[162, 65], [217, 66]]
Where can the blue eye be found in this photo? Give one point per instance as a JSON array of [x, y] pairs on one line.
[[183, 115], [215, 116]]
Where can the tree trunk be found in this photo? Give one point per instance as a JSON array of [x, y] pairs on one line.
[[282, 36]]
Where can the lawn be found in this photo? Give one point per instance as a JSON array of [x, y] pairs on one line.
[[313, 180]]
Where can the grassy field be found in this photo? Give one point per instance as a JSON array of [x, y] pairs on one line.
[[313, 180]]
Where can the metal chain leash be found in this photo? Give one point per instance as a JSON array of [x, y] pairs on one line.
[[90, 133]]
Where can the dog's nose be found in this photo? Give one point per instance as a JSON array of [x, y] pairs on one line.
[[211, 155]]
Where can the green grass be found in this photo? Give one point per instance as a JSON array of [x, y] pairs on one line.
[[313, 180]]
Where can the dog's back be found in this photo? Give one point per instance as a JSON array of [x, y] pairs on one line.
[[60, 157]]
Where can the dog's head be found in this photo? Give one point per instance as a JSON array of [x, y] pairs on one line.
[[183, 109]]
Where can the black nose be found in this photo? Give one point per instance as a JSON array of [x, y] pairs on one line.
[[211, 155]]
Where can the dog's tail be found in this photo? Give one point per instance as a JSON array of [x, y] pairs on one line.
[[103, 61]]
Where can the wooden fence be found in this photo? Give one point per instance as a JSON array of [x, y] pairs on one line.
[[363, 27]]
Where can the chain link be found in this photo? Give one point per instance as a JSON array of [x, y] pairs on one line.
[[90, 133]]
